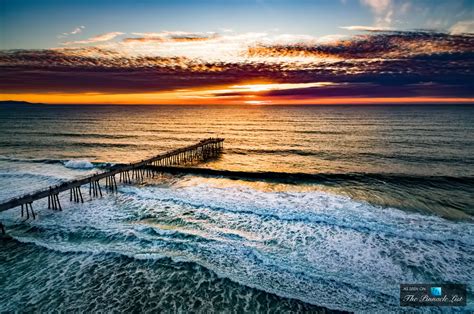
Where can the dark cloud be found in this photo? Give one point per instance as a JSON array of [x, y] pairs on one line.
[[143, 40], [170, 37], [377, 90], [381, 64], [386, 45]]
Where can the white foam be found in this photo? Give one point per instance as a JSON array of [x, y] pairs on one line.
[[79, 164], [316, 246], [321, 248]]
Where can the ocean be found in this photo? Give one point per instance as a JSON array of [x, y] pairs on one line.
[[352, 201]]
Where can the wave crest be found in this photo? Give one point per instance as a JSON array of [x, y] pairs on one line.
[[79, 164]]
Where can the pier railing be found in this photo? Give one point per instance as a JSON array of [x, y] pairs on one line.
[[203, 150]]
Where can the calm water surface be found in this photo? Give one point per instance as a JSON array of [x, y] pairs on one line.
[[391, 202]]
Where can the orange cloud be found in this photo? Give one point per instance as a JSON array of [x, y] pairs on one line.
[[379, 65], [95, 39], [170, 37], [252, 94]]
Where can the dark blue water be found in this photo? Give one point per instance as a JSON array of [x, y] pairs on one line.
[[372, 196]]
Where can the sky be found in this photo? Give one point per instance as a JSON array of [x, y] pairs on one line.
[[237, 52]]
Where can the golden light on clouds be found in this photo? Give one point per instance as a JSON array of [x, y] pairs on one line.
[[176, 67], [250, 93], [170, 98], [257, 102], [277, 86]]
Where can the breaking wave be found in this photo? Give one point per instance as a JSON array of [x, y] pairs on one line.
[[79, 164], [317, 247]]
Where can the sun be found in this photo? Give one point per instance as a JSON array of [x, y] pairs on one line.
[[257, 102], [261, 87]]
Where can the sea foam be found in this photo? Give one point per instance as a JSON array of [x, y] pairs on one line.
[[79, 164], [313, 246]]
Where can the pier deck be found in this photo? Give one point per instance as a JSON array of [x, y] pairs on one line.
[[201, 151]]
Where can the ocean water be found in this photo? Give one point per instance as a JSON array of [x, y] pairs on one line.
[[353, 201]]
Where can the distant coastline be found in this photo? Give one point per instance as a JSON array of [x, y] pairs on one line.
[[26, 103], [18, 102]]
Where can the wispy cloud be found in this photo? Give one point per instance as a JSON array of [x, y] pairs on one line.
[[75, 31], [462, 27], [367, 28], [143, 40], [178, 36], [382, 9], [95, 39]]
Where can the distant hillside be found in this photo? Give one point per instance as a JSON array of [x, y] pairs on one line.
[[17, 102]]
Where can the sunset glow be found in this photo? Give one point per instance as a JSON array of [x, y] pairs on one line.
[[250, 93], [176, 98], [373, 61]]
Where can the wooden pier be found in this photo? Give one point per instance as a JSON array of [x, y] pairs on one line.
[[204, 150]]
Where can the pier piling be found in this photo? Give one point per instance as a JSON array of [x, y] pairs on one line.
[[202, 151]]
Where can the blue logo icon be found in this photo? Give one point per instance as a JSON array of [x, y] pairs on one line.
[[436, 291]]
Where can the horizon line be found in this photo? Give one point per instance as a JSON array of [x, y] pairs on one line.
[[469, 102]]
